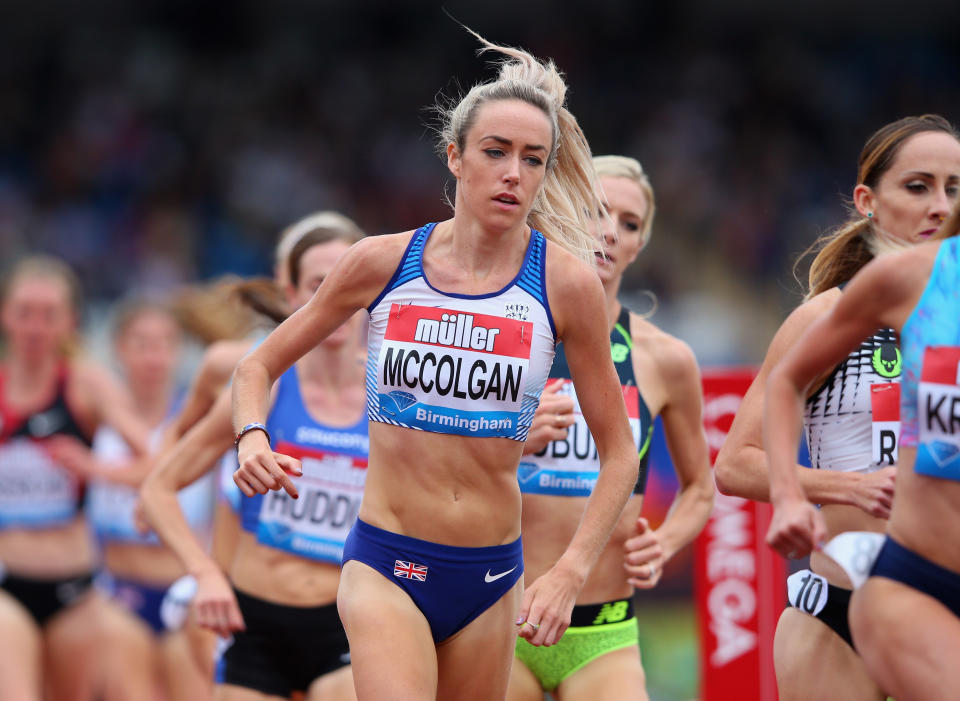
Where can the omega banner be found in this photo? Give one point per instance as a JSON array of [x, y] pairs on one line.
[[740, 583]]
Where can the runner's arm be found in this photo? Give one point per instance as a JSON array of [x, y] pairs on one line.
[[879, 295], [353, 284], [112, 405], [185, 462], [216, 367], [581, 323], [682, 418], [741, 466]]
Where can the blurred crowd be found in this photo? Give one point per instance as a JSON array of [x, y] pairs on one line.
[[151, 144]]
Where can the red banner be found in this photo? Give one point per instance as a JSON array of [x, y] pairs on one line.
[[740, 583]]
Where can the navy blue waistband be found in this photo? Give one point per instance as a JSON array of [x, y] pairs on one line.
[[903, 565], [452, 553]]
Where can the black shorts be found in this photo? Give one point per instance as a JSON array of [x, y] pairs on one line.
[[284, 648], [824, 601], [44, 598]]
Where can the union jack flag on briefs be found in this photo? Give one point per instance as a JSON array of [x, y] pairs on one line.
[[410, 570]]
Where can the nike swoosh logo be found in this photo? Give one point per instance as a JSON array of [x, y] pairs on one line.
[[494, 577]]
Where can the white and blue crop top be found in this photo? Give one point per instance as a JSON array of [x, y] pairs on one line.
[[470, 365], [931, 369], [315, 525]]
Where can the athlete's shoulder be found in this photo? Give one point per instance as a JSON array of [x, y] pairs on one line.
[[573, 289], [221, 357], [89, 387], [86, 374], [371, 247], [802, 317], [813, 308], [367, 267], [566, 272], [673, 358]]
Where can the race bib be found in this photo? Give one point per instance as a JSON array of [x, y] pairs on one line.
[[570, 467], [885, 405], [807, 591], [450, 371], [938, 414], [316, 524], [35, 491], [110, 510]]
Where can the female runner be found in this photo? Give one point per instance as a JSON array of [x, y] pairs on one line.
[[908, 177], [222, 356], [464, 317], [598, 656], [287, 636], [48, 621], [906, 618], [139, 656]]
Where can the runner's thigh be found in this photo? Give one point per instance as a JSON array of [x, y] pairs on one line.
[[813, 662], [127, 655], [615, 676], [524, 685], [187, 663], [391, 648], [72, 640], [908, 639], [474, 665], [21, 651], [334, 686]]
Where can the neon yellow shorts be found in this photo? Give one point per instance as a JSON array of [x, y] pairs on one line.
[[581, 644]]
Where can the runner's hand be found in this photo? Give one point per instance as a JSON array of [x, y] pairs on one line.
[[140, 520], [73, 455], [215, 604], [553, 417], [262, 470], [644, 557], [796, 529], [874, 492], [547, 605]]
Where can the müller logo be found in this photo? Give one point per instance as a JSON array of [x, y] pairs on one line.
[[457, 331]]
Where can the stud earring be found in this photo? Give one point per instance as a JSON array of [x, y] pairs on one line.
[[869, 215]]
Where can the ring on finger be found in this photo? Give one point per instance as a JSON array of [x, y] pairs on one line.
[[535, 626]]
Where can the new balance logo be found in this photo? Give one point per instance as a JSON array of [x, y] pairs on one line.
[[494, 577], [612, 612], [410, 570]]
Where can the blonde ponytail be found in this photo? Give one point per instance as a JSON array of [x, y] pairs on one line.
[[564, 207]]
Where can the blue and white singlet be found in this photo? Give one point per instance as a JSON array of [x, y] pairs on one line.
[[570, 467], [334, 460], [931, 369], [470, 365]]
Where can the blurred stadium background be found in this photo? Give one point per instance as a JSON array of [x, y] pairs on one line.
[[154, 143]]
